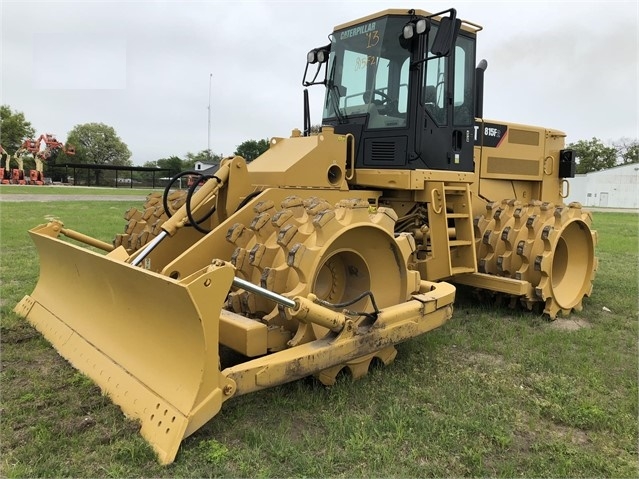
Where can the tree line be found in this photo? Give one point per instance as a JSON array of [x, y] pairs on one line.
[[99, 144], [594, 155], [249, 150]]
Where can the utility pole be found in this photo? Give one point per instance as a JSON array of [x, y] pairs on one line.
[[208, 145]]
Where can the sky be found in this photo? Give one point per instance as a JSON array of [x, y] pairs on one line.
[[151, 69]]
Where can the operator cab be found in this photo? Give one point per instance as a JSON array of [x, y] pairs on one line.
[[402, 83]]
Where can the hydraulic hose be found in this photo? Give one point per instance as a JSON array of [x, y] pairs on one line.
[[180, 218], [169, 186], [189, 213], [199, 179]]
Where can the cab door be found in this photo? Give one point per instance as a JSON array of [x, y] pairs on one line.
[[447, 102]]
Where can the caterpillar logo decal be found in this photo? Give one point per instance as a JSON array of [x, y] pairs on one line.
[[360, 30], [490, 134]]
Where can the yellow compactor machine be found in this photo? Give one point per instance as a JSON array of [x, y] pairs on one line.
[[328, 249]]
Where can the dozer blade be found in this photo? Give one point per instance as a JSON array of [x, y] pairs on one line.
[[149, 341]]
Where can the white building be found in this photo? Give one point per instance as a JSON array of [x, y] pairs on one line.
[[199, 166], [614, 188]]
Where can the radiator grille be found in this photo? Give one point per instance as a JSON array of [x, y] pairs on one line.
[[383, 151]]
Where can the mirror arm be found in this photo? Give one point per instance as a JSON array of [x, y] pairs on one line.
[[313, 82], [452, 11], [423, 60]]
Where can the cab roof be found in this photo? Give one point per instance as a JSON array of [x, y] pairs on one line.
[[466, 25]]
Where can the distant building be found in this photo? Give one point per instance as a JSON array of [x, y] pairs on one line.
[[613, 188], [199, 166]]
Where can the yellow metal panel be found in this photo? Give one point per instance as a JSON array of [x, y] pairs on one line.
[[316, 161], [408, 179], [519, 156], [496, 283], [393, 179], [246, 336]]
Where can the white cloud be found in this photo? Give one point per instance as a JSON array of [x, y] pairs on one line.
[[78, 61]]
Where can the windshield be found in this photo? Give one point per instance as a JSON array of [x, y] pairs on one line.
[[368, 73]]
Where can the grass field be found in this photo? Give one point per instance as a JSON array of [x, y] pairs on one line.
[[494, 392]]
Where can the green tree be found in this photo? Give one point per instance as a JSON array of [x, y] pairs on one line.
[[627, 150], [14, 129], [98, 144], [593, 155], [251, 149], [172, 163], [631, 155]]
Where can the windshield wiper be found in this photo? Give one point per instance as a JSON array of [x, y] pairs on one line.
[[333, 93]]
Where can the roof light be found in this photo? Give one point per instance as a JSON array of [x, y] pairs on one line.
[[311, 57], [322, 55], [421, 26], [408, 31]]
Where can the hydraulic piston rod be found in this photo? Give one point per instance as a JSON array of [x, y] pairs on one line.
[[253, 288], [304, 309]]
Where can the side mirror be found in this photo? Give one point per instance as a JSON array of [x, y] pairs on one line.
[[446, 35]]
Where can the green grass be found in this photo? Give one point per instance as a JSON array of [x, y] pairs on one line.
[[494, 392], [73, 190]]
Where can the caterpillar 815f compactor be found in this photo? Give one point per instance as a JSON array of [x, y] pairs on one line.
[[329, 249]]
